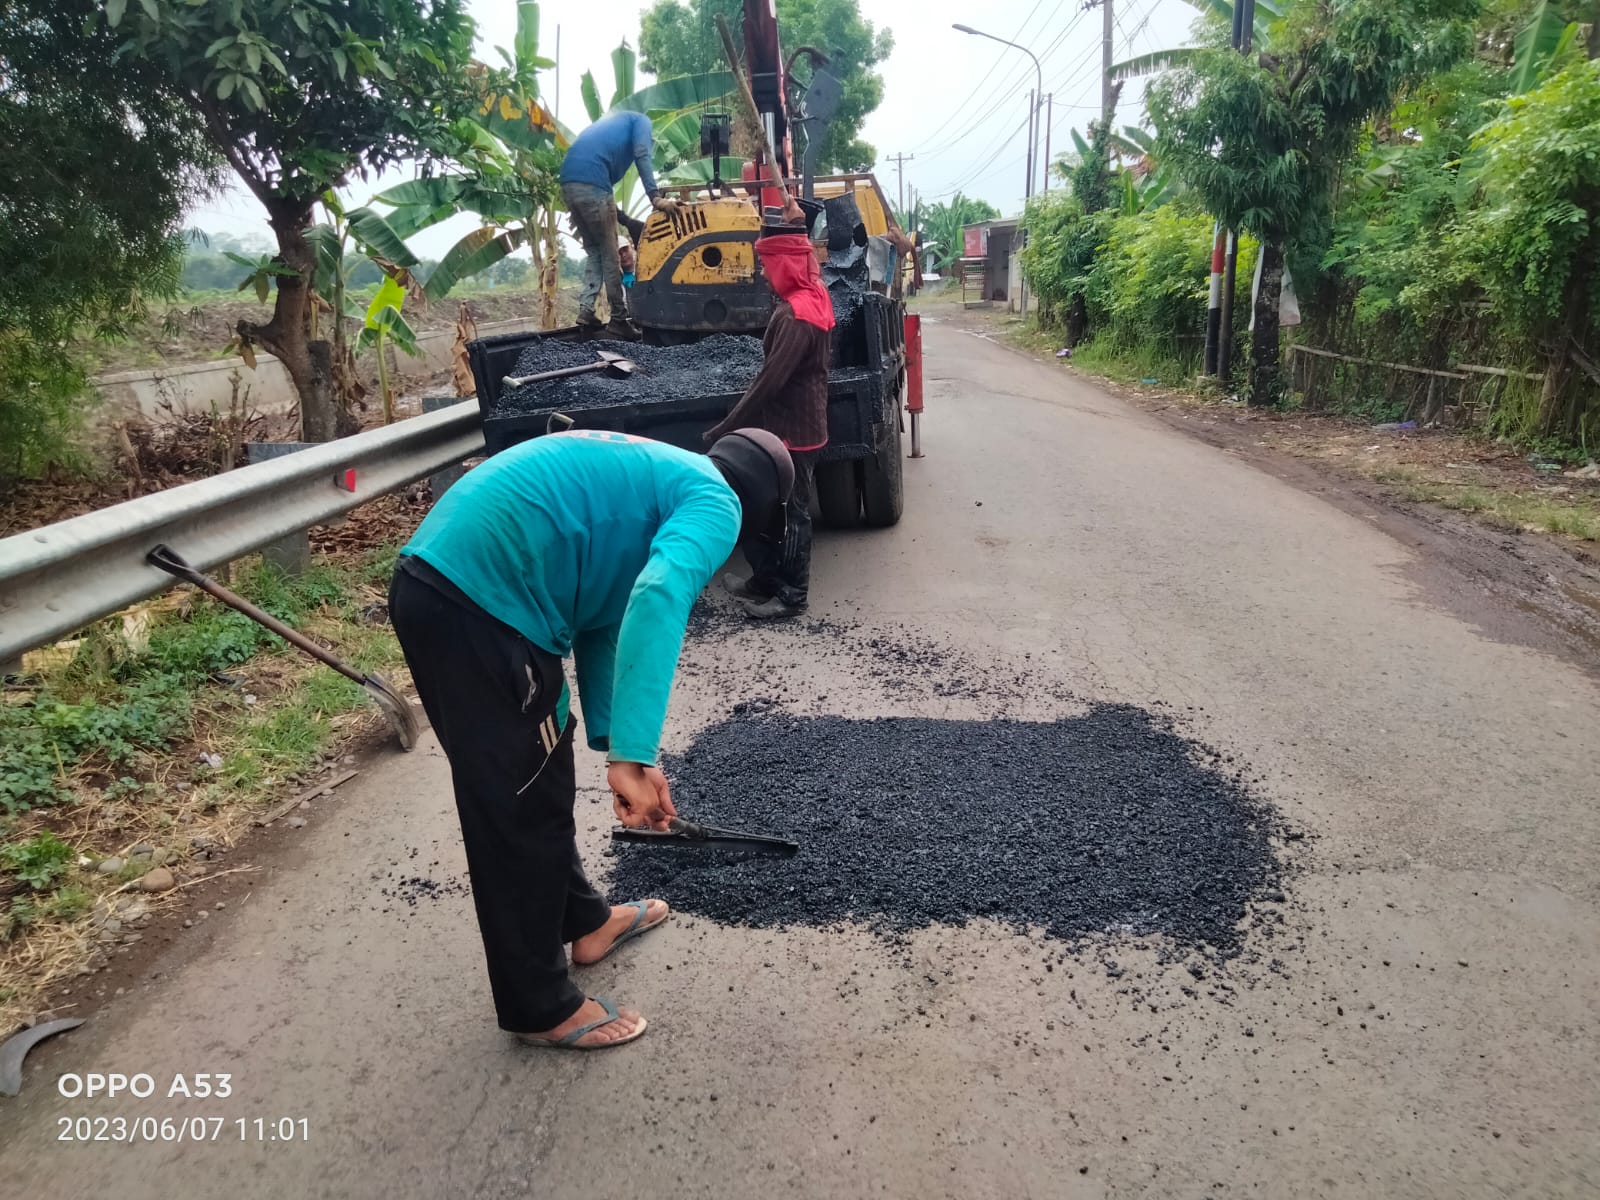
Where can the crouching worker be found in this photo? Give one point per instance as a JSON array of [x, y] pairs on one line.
[[789, 398], [595, 544]]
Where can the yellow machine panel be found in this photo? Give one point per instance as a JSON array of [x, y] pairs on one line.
[[717, 263], [734, 220], [697, 271]]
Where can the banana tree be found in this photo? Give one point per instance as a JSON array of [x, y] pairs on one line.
[[1547, 39], [508, 154], [369, 235], [385, 324]]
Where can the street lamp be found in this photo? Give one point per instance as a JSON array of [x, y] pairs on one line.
[[1038, 99]]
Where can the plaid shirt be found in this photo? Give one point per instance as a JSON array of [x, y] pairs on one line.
[[790, 395]]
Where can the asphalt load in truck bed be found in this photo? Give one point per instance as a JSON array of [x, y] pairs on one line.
[[1109, 822], [721, 363]]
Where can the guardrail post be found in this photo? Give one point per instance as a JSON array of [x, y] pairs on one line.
[[439, 482], [291, 554]]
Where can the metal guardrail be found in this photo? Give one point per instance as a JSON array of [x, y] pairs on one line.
[[59, 578]]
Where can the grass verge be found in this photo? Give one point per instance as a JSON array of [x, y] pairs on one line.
[[152, 741], [1507, 499]]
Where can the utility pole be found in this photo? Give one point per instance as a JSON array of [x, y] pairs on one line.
[[1244, 15], [557, 113], [1105, 65], [900, 161], [1049, 119], [1033, 136]]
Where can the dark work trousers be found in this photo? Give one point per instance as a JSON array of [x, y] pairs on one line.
[[785, 571], [594, 217], [492, 697]]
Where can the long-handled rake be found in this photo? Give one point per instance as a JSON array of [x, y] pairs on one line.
[[401, 716]]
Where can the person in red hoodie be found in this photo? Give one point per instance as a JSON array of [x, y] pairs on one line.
[[789, 397]]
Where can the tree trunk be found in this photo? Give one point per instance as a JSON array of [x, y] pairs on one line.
[[549, 270], [308, 360], [1558, 367], [1077, 321], [1265, 356]]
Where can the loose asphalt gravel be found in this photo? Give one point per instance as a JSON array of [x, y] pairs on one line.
[[1108, 822], [722, 363]]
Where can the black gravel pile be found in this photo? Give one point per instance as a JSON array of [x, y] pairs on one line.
[[1105, 823], [849, 343], [721, 363]]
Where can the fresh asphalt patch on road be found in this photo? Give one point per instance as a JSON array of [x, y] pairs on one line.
[[1103, 825], [1107, 823]]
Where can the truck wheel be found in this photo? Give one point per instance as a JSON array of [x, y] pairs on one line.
[[883, 491], [838, 494]]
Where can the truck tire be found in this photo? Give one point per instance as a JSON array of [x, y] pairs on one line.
[[883, 491], [838, 494]]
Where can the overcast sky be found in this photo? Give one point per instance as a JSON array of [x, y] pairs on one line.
[[957, 103]]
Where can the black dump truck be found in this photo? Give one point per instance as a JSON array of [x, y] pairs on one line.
[[859, 476]]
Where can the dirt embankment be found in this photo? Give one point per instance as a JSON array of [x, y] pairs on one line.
[[188, 331]]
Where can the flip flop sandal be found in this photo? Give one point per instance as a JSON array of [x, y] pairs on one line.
[[570, 1041], [637, 929]]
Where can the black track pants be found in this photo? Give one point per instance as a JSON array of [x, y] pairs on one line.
[[785, 571], [493, 698]]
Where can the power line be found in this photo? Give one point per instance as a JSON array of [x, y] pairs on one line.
[[998, 59], [1001, 99], [977, 172]]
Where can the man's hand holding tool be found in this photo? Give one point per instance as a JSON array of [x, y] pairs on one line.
[[640, 795]]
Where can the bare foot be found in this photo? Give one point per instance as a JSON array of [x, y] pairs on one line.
[[592, 947], [627, 1026]]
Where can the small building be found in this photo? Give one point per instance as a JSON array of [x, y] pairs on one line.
[[990, 269]]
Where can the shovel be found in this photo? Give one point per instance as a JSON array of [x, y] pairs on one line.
[[401, 717], [610, 362], [688, 835]]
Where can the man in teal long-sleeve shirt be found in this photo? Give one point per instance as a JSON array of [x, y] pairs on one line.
[[594, 544]]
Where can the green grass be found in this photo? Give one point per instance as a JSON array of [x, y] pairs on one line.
[[115, 708]]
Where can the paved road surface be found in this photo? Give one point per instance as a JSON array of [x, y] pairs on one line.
[[1447, 782]]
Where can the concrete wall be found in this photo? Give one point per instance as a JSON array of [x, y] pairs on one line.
[[196, 387]]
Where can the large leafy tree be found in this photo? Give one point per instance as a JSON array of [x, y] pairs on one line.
[[98, 161], [679, 37], [300, 96], [1534, 243], [1261, 138]]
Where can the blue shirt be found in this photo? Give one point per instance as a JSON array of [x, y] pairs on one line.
[[594, 544], [602, 153]]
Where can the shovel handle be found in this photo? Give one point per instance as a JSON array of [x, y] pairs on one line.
[[753, 113], [517, 381], [173, 563]]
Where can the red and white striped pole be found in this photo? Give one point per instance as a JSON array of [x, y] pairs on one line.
[[1214, 303]]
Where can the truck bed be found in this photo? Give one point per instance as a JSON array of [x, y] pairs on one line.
[[868, 357]]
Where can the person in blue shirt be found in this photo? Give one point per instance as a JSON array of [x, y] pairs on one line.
[[587, 543], [595, 163]]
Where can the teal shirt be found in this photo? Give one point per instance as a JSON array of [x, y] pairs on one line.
[[594, 544]]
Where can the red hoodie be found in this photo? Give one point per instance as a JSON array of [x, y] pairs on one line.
[[792, 270]]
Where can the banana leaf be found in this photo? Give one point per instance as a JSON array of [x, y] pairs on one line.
[[680, 92], [375, 233], [478, 251], [1537, 43], [699, 170], [1153, 63], [623, 61]]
